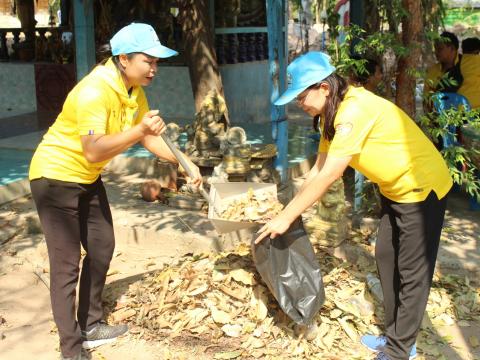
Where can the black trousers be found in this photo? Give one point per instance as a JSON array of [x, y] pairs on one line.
[[74, 215], [406, 251]]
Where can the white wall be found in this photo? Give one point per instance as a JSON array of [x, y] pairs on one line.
[[246, 91], [17, 89]]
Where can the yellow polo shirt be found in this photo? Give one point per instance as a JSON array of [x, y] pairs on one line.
[[387, 147], [98, 104], [470, 68]]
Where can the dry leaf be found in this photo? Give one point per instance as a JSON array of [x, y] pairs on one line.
[[242, 276], [112, 272], [335, 313], [258, 303], [257, 343], [199, 290], [239, 293], [220, 316], [228, 355], [349, 329], [232, 330], [163, 324], [197, 315], [473, 340], [123, 314]]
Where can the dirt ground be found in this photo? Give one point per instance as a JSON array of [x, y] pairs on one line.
[[27, 329]]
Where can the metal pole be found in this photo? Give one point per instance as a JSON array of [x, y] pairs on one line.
[[277, 60], [357, 16], [211, 13], [84, 37], [357, 203]]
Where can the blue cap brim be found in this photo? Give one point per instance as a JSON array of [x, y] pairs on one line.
[[288, 96], [160, 51]]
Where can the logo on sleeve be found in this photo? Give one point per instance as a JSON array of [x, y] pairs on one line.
[[343, 128]]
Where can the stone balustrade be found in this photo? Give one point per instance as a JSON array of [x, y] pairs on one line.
[[8, 48]]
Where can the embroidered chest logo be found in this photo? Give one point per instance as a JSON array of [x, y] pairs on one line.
[[343, 129]]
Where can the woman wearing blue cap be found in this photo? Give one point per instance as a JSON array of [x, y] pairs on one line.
[[104, 114], [375, 137]]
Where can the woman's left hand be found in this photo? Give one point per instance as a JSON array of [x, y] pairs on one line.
[[275, 227]]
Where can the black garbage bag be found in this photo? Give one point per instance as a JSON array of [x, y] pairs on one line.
[[288, 266]]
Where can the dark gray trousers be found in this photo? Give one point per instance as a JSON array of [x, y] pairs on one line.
[[74, 215], [406, 251]]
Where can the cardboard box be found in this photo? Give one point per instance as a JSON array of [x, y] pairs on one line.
[[222, 194]]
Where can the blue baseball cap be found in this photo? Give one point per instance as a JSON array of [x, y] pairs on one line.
[[303, 72], [138, 37]]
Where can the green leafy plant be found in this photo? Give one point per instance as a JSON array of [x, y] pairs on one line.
[[460, 159]]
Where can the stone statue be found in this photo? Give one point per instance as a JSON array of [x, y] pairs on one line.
[[328, 226], [209, 128]]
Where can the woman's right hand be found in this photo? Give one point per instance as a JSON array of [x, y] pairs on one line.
[[152, 124]]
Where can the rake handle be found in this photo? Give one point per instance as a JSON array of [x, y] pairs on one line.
[[185, 165]]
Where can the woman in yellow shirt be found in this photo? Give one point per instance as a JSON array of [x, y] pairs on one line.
[[103, 115], [372, 135]]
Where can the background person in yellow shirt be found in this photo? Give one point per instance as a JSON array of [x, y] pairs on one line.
[[470, 68], [445, 75], [454, 72], [374, 136], [103, 115]]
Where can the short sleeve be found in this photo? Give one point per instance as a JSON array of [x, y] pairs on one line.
[[143, 107], [92, 111], [352, 126]]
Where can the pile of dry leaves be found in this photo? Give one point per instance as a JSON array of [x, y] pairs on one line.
[[220, 300], [259, 207]]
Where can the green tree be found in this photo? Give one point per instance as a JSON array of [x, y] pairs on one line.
[[460, 159]]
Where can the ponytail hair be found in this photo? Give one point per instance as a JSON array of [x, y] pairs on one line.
[[338, 88], [104, 53]]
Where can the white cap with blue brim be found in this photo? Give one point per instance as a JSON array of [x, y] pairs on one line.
[[303, 72]]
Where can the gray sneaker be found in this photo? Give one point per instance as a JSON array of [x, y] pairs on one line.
[[102, 334], [84, 355]]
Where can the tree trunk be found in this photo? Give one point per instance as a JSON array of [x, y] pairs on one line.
[[199, 50], [371, 17], [26, 15], [412, 27]]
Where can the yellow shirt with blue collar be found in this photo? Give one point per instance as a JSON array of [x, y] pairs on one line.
[[98, 104], [387, 147]]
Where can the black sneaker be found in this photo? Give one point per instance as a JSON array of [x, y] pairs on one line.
[[101, 334], [84, 355]]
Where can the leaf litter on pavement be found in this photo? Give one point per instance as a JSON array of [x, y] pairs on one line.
[[220, 301]]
